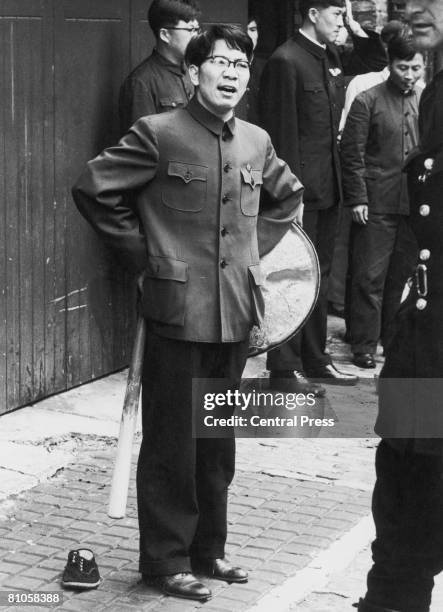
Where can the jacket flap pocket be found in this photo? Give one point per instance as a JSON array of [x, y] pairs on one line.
[[168, 269], [172, 102], [256, 274], [372, 173], [313, 86], [187, 172], [252, 177]]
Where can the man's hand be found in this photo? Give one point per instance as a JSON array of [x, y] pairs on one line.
[[351, 23], [360, 214]]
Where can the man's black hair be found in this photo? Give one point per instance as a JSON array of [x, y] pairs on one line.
[[401, 47], [163, 13], [305, 5], [200, 47]]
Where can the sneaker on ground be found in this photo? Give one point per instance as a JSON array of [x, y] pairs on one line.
[[81, 571]]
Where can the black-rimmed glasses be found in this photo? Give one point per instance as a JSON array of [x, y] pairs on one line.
[[223, 62], [192, 30]]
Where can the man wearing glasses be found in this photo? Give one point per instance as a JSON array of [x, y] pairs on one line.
[[161, 82], [195, 235]]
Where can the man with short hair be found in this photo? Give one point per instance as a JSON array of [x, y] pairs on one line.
[[381, 130], [301, 99], [195, 234], [161, 82], [407, 502]]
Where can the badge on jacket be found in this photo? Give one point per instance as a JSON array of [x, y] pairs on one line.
[[335, 71], [251, 177]]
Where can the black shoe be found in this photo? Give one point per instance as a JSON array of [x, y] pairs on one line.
[[220, 569], [294, 382], [366, 606], [81, 571], [329, 374], [184, 585], [364, 360]]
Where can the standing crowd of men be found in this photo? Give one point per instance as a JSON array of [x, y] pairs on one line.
[[208, 195]]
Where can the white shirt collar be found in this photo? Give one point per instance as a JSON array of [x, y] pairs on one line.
[[311, 39]]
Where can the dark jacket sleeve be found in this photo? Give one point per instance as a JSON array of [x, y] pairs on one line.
[[277, 99], [100, 192], [368, 55], [286, 193], [353, 151]]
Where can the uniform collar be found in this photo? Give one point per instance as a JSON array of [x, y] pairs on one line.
[[310, 46], [315, 42], [178, 69], [210, 121]]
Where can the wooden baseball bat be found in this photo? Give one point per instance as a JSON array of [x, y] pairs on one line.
[[120, 479]]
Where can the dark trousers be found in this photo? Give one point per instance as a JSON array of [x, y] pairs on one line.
[[383, 256], [182, 482], [306, 350], [408, 512]]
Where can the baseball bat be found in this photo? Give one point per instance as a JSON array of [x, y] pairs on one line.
[[120, 479]]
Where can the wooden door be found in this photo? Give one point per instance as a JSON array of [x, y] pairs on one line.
[[26, 194]]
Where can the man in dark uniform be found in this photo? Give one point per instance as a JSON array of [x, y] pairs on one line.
[[194, 233], [408, 495], [301, 99], [381, 130], [161, 82]]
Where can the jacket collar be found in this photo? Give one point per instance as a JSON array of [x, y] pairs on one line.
[[310, 46], [210, 121]]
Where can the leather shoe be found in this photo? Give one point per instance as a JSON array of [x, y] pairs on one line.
[[220, 569], [366, 606], [364, 360], [330, 375], [184, 585], [294, 382]]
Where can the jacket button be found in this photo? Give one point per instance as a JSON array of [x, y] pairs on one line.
[[424, 254], [424, 210], [421, 304], [223, 231], [225, 199], [223, 263], [227, 167]]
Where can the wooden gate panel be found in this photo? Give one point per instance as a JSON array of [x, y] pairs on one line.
[[26, 186], [91, 60]]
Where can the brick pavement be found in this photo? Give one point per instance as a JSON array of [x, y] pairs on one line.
[[345, 588], [278, 524], [290, 500]]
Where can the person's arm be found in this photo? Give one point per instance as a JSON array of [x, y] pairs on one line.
[[286, 203], [368, 53], [278, 109], [353, 154], [100, 192]]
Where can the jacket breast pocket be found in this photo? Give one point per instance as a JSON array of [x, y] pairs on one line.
[[185, 187], [165, 286], [168, 103], [251, 181], [314, 87]]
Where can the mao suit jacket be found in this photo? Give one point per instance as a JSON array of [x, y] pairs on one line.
[[193, 227]]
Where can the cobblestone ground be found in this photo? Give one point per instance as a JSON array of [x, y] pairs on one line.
[[280, 518]]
